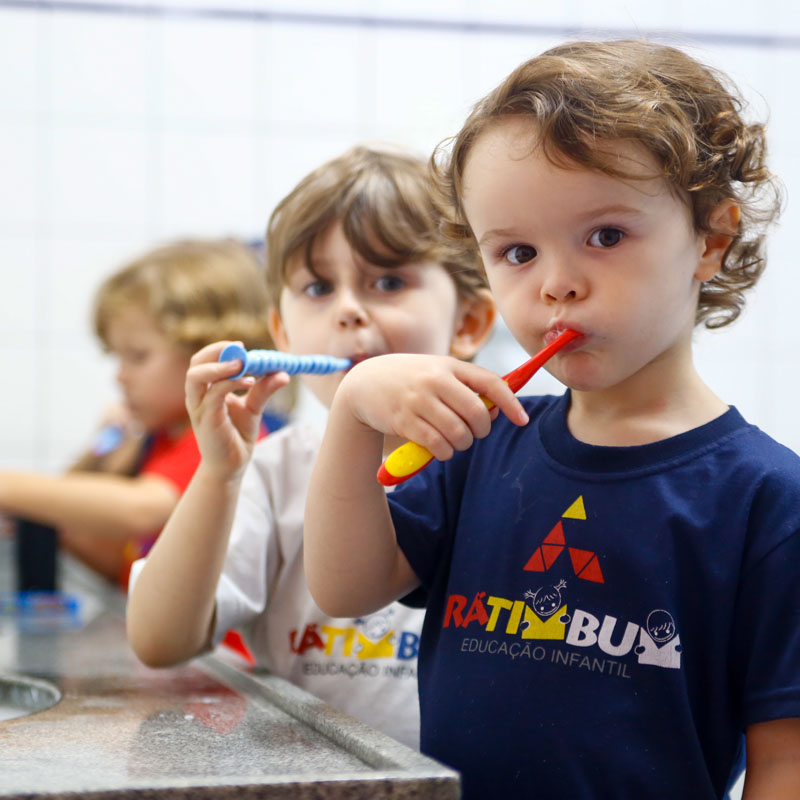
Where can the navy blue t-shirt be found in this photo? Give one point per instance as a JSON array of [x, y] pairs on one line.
[[603, 622]]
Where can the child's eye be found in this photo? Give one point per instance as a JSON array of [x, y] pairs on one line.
[[134, 357], [318, 288], [520, 253], [389, 283], [606, 237]]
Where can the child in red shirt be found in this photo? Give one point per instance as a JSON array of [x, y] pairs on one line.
[[152, 315]]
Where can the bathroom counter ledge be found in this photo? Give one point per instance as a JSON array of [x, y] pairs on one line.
[[208, 729]]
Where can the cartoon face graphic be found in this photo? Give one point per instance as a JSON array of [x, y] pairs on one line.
[[546, 600], [660, 625], [376, 626]]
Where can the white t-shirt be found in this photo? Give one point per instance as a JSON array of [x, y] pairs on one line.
[[366, 667]]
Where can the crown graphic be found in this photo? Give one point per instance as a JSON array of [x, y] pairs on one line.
[[585, 563]]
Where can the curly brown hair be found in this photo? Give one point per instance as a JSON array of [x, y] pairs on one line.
[[198, 291], [385, 201], [687, 116]]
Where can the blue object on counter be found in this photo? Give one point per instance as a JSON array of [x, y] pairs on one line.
[[41, 611]]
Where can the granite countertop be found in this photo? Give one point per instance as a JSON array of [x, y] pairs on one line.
[[209, 729]]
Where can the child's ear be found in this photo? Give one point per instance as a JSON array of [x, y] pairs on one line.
[[474, 323], [724, 224], [277, 330]]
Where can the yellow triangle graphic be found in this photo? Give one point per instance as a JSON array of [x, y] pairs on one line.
[[576, 510]]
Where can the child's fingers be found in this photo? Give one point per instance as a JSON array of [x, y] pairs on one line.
[[210, 353], [245, 421], [214, 371], [263, 389], [245, 410], [432, 439], [447, 425], [492, 387], [436, 402], [471, 411], [206, 368], [204, 374], [215, 393], [200, 391], [447, 416]]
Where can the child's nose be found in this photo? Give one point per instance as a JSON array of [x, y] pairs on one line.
[[561, 283], [350, 311]]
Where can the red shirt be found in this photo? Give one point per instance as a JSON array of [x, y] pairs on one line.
[[173, 459]]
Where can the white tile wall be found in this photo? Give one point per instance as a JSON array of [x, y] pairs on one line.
[[20, 150], [19, 303], [122, 130], [82, 47], [313, 76], [209, 73], [99, 178], [21, 36], [207, 180]]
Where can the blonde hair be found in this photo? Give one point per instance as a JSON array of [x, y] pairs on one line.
[[197, 291], [384, 200], [685, 114]]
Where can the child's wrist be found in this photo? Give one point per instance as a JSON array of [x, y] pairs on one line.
[[219, 476]]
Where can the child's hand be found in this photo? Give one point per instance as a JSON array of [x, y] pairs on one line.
[[226, 424], [431, 400], [119, 415]]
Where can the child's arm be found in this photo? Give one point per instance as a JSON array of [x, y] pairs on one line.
[[112, 506], [171, 609], [773, 761], [352, 560]]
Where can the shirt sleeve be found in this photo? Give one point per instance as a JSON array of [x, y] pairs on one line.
[[423, 512], [767, 635], [136, 571], [174, 460]]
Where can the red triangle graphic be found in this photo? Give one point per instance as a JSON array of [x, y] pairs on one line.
[[551, 553], [592, 572], [580, 558], [556, 536], [535, 562]]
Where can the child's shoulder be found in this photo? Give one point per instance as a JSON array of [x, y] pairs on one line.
[[761, 477], [775, 467], [761, 453]]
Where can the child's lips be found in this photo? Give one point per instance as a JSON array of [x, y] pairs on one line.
[[555, 332]]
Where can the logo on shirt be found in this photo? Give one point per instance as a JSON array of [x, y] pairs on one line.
[[366, 639], [585, 563], [543, 613]]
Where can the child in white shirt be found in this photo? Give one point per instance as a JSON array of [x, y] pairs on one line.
[[356, 268]]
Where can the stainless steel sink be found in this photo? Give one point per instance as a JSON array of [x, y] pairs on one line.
[[20, 696]]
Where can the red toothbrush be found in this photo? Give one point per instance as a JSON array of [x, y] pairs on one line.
[[410, 458]]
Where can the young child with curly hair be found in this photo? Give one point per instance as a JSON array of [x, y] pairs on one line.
[[610, 575]]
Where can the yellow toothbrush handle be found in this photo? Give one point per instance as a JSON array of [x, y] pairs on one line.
[[402, 463], [408, 460]]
